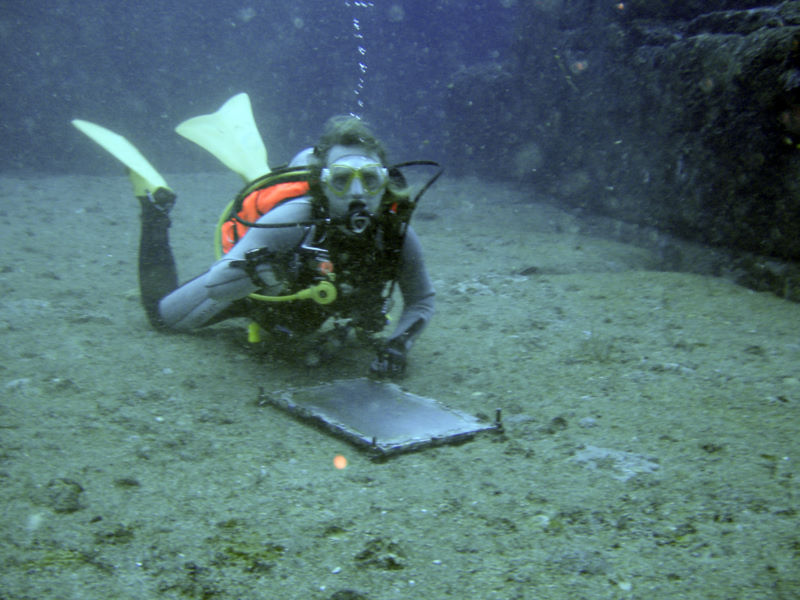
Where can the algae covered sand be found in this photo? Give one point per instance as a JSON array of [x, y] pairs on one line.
[[651, 421]]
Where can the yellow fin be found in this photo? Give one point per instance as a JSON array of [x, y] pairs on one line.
[[231, 135], [143, 175]]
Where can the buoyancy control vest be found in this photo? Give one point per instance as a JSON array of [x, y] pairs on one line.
[[363, 268], [256, 200]]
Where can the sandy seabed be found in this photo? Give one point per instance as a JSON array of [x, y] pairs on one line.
[[651, 421]]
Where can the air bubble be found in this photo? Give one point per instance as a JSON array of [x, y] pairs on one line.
[[361, 48]]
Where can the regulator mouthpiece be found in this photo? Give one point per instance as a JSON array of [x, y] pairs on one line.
[[359, 221]]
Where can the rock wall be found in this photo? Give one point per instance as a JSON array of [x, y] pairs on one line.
[[679, 115]]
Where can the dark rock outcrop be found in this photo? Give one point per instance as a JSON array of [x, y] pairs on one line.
[[683, 116]]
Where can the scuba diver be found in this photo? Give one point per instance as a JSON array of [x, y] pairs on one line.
[[325, 240]]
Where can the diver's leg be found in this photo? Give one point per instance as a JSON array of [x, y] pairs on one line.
[[157, 273]]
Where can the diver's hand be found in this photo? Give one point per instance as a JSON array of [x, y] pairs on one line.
[[390, 362]]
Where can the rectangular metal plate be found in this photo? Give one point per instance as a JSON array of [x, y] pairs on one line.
[[379, 416]]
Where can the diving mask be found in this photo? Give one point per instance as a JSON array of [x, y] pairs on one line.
[[339, 177]]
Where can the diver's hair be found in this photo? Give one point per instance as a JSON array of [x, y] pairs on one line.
[[348, 130]]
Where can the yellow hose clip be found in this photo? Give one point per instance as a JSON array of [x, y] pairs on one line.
[[323, 292]]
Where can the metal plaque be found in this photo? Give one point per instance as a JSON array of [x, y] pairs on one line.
[[379, 416]]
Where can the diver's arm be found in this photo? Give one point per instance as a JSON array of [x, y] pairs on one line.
[[228, 279], [417, 290], [198, 301]]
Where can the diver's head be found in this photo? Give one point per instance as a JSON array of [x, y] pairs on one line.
[[354, 181], [350, 169]]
